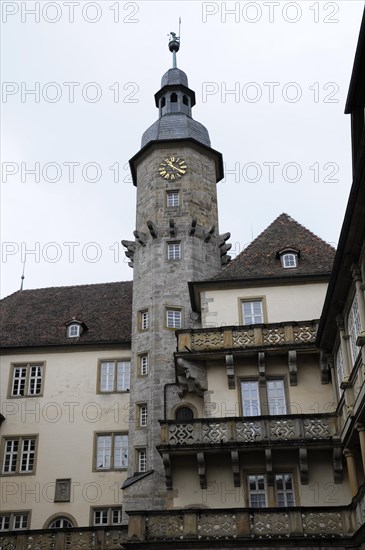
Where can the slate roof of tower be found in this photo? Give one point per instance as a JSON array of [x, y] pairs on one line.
[[260, 260], [38, 317], [176, 126], [174, 77]]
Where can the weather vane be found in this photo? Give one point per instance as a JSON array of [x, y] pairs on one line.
[[174, 44]]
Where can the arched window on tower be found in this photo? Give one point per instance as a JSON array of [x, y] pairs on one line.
[[173, 98], [184, 413], [185, 100]]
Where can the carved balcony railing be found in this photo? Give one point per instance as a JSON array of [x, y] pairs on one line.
[[234, 526], [315, 428], [250, 336], [83, 538]]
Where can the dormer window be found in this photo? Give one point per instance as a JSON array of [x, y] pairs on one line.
[[288, 257], [75, 328], [73, 331], [289, 260]]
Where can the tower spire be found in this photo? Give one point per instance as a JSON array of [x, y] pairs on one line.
[[174, 45]]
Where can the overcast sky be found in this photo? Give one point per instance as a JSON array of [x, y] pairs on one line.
[[271, 80]]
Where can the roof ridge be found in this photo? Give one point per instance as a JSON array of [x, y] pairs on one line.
[[26, 290]]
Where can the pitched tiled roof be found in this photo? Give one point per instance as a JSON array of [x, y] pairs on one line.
[[260, 259], [38, 317]]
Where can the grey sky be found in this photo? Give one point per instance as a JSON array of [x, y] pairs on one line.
[[289, 64]]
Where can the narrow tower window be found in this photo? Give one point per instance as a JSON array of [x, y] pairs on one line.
[[173, 98]]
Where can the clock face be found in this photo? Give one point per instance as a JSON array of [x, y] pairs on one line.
[[172, 168]]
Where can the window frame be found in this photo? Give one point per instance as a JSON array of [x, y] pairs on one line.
[[173, 244], [171, 192], [109, 511], [144, 320], [19, 454], [71, 327], [115, 362], [141, 366], [111, 466], [142, 415], [271, 491], [291, 257], [252, 299], [141, 460], [27, 379], [263, 395], [173, 309], [12, 515]]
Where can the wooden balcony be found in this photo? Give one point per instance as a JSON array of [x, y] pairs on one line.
[[256, 430], [244, 337]]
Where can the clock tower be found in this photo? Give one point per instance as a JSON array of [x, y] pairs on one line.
[[176, 241]]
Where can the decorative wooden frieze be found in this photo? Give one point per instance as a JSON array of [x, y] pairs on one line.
[[201, 470], [303, 466], [230, 372], [261, 365], [337, 465], [293, 369], [236, 469], [167, 465]]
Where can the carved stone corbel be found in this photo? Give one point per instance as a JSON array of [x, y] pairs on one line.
[[303, 466], [208, 234], [152, 229], [235, 469], [140, 238], [293, 368], [167, 466], [337, 465], [172, 228], [192, 227], [261, 364], [269, 470], [230, 372], [192, 377], [201, 470]]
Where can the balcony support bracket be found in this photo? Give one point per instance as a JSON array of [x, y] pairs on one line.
[[202, 471], [303, 466]]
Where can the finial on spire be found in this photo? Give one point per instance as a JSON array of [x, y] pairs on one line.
[[23, 276], [174, 45]]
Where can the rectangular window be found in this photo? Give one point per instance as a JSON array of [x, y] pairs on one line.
[[27, 380], [14, 521], [142, 460], [143, 364], [284, 490], [142, 413], [115, 376], [19, 455], [111, 451], [172, 199], [263, 399], [173, 318], [107, 516], [276, 397], [174, 251], [354, 328], [252, 312], [257, 491], [144, 320], [250, 398]]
